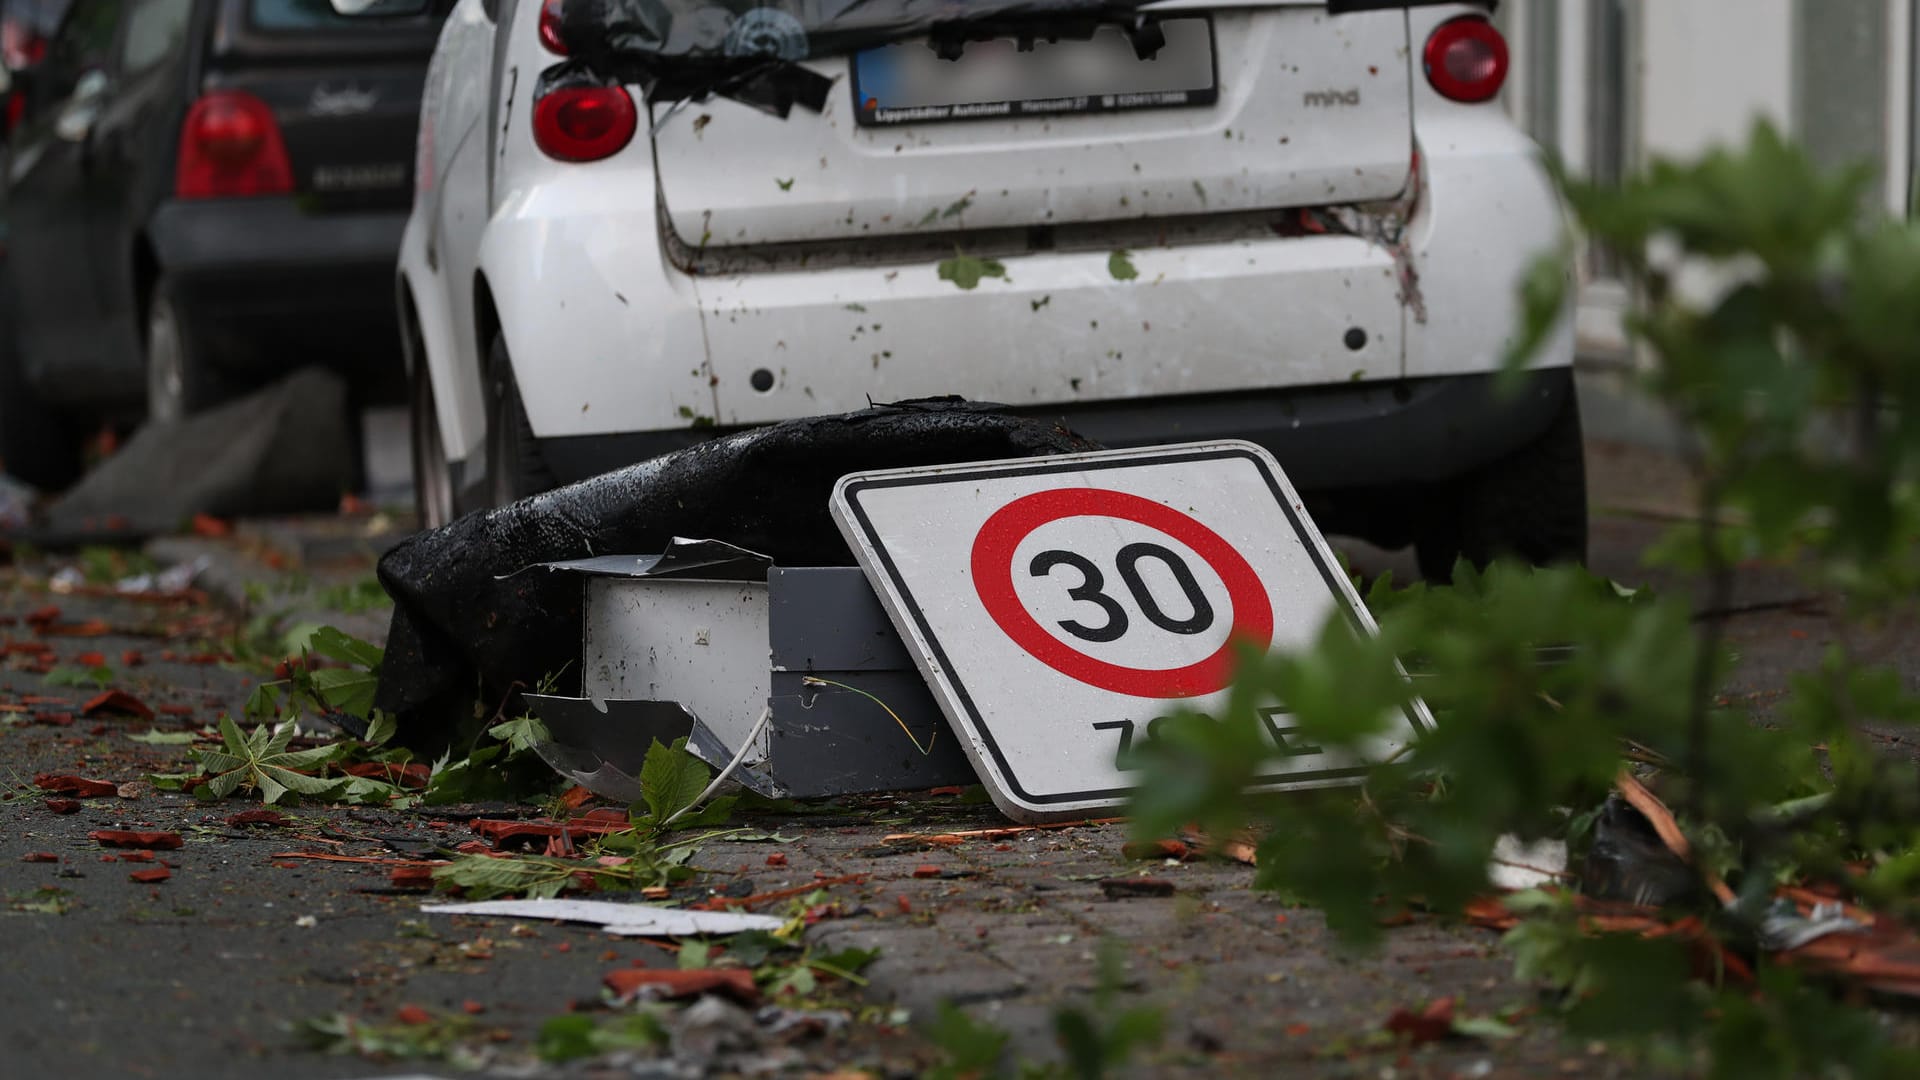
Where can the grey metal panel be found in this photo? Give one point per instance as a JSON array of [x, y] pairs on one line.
[[826, 618], [827, 740]]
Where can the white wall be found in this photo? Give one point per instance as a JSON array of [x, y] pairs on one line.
[[1708, 68]]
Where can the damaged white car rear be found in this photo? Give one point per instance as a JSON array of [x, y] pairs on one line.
[[1300, 223]]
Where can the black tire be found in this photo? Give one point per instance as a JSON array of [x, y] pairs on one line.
[[433, 495], [1529, 505], [181, 380], [39, 445], [515, 468]]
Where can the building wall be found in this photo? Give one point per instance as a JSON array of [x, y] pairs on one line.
[[1610, 84]]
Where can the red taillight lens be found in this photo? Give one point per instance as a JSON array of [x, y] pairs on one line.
[[584, 123], [1467, 60], [231, 145], [550, 27]]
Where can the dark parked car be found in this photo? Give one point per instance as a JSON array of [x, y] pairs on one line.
[[201, 195]]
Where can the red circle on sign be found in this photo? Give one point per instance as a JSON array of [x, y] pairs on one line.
[[993, 551]]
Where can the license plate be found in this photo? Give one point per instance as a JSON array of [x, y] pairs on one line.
[[907, 83]]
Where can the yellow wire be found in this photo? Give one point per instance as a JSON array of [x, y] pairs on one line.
[[925, 751]]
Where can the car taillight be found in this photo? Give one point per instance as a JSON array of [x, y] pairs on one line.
[[584, 123], [1467, 60], [550, 27], [231, 145]]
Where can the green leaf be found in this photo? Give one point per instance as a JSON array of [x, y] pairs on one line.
[[522, 736], [351, 692], [381, 728], [671, 778], [1120, 265], [972, 1048], [966, 270], [156, 737], [63, 675], [330, 642]]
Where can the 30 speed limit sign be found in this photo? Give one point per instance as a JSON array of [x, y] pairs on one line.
[[1060, 607]]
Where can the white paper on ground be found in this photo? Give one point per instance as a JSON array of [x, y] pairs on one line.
[[628, 920], [1519, 865]]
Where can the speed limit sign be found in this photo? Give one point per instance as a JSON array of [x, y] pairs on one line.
[[1061, 608]]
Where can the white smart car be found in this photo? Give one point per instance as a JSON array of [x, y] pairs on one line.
[[1300, 222]]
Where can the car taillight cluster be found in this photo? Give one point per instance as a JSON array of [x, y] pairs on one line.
[[231, 146], [584, 123], [1466, 60], [550, 27]]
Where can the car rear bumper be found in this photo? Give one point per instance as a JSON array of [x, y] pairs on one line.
[[1347, 437], [266, 286]]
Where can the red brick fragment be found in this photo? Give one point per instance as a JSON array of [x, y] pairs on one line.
[[122, 838], [412, 1014], [736, 983], [43, 616], [927, 871], [778, 858], [75, 785], [152, 876], [64, 806], [174, 710], [411, 877], [472, 1007], [39, 856], [1431, 1024], [137, 856], [117, 703], [211, 527], [906, 905], [411, 774], [53, 719], [132, 658], [257, 817]]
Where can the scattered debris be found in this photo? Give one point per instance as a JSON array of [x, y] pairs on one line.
[[1517, 864], [1119, 888], [452, 590], [624, 920], [117, 703], [736, 983], [75, 785], [151, 876], [121, 838]]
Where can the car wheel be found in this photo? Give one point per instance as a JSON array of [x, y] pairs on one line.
[[38, 445], [432, 480], [1530, 505], [180, 381], [515, 469]]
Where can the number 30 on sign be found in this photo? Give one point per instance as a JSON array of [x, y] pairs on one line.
[[1062, 608]]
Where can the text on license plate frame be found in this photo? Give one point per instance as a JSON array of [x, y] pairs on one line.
[[874, 114]]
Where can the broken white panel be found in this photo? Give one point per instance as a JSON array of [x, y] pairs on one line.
[[1518, 865], [626, 920]]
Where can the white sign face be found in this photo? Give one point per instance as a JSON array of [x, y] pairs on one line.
[[1061, 607]]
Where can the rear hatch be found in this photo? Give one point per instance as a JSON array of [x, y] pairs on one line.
[[1245, 107], [346, 93]]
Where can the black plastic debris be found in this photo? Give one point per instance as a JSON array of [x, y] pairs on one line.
[[752, 50], [466, 623], [1627, 861]]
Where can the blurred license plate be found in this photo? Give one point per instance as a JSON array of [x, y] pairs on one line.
[[906, 83]]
